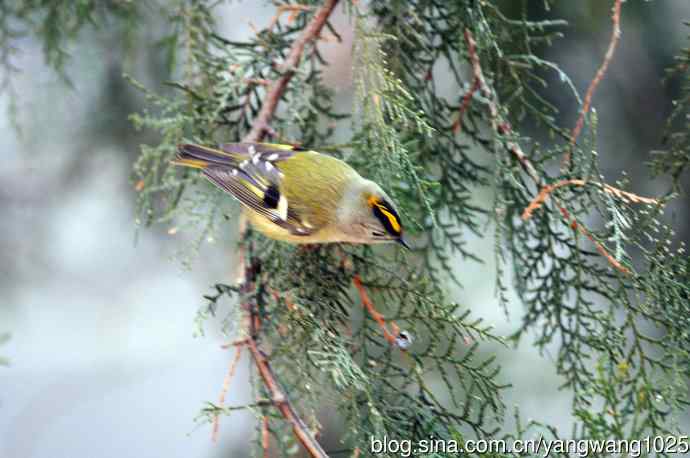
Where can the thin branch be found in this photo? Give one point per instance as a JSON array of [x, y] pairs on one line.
[[258, 81], [294, 11], [466, 99], [264, 436], [575, 225], [502, 127], [391, 336], [280, 400], [615, 37], [226, 387], [275, 92], [499, 125], [246, 273], [546, 191], [277, 396]]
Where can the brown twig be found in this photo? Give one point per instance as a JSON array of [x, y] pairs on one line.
[[277, 88], [226, 386], [626, 196], [264, 436], [466, 99], [498, 124], [546, 191], [575, 225], [257, 81], [246, 274], [502, 127], [390, 336], [277, 296], [294, 11], [278, 397], [281, 402], [615, 37]]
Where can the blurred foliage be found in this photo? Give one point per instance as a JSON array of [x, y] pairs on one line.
[[57, 22], [675, 159], [602, 279], [4, 338]]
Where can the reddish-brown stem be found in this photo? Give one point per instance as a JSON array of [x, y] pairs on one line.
[[546, 191], [294, 11], [502, 127], [277, 88], [281, 402], [260, 127], [390, 336], [499, 125], [264, 436], [600, 248], [224, 391], [467, 98], [613, 42], [246, 273]]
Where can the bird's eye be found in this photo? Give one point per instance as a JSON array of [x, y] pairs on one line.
[[377, 234], [388, 217]]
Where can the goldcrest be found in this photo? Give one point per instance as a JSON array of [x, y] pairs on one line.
[[296, 195]]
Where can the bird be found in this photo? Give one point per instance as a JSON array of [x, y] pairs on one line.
[[297, 195]]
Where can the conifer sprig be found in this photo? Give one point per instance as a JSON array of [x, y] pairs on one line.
[[603, 279]]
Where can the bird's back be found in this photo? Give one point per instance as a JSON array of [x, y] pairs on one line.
[[316, 185]]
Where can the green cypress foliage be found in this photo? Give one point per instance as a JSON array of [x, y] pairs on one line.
[[602, 277]]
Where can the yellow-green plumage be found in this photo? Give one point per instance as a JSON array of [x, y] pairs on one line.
[[298, 196], [315, 187]]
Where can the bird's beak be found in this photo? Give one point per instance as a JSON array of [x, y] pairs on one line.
[[402, 242]]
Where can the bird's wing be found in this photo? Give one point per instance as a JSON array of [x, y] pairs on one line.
[[248, 172]]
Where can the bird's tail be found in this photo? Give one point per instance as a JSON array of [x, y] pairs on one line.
[[200, 157]]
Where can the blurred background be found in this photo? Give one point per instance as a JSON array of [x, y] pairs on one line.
[[104, 360]]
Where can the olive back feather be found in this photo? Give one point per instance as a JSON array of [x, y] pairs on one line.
[[254, 174]]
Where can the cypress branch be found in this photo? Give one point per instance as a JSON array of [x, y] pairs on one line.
[[602, 279]]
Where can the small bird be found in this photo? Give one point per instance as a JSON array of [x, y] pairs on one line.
[[296, 195]]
